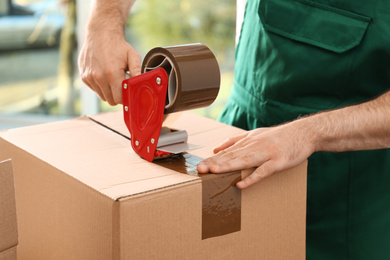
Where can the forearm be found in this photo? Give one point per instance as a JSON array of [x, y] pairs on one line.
[[109, 16], [106, 55], [364, 126]]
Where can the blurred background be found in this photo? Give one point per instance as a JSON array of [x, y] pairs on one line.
[[40, 39]]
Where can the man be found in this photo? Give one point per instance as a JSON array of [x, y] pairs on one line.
[[311, 81]]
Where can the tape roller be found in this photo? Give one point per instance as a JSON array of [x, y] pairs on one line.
[[173, 79]]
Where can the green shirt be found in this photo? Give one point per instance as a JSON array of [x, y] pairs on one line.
[[297, 57]]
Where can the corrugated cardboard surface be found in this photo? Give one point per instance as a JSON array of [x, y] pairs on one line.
[[83, 193], [8, 221], [9, 254]]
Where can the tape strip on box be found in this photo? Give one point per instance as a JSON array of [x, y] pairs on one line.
[[221, 199]]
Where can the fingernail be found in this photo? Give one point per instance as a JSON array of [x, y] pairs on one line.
[[240, 185], [202, 167]]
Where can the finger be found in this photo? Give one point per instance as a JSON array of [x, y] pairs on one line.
[[225, 157], [116, 86], [235, 159], [96, 88], [204, 166], [242, 147], [117, 93], [134, 62], [265, 170], [244, 160], [105, 89], [90, 82], [229, 142]]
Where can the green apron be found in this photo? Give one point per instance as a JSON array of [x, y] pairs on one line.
[[297, 57]]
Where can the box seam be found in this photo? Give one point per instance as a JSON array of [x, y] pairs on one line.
[[169, 187], [108, 128]]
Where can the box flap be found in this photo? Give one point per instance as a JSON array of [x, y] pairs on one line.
[[87, 151], [201, 131], [113, 121], [8, 224], [192, 123]]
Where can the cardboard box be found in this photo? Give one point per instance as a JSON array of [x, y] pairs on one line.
[[82, 193], [8, 224]]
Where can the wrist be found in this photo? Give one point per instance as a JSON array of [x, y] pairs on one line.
[[326, 131], [310, 132], [109, 17], [113, 27]]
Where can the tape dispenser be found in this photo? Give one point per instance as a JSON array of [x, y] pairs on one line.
[[173, 79]]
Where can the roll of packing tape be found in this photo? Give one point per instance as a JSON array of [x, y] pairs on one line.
[[193, 75]]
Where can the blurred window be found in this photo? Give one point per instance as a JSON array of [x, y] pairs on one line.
[[39, 81], [29, 56]]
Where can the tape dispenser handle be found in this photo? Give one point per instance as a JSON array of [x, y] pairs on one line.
[[144, 99]]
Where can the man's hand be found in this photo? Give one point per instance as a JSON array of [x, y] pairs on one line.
[[106, 56], [363, 126], [269, 149], [103, 61]]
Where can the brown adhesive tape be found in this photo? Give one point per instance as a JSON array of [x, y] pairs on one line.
[[194, 80], [193, 73], [221, 204], [221, 199]]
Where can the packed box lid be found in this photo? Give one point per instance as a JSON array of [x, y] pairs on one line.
[[8, 221], [104, 157]]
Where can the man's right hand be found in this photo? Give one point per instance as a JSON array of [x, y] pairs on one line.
[[103, 61], [106, 56]]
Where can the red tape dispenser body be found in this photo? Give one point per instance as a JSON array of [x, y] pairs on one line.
[[174, 79], [143, 108]]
